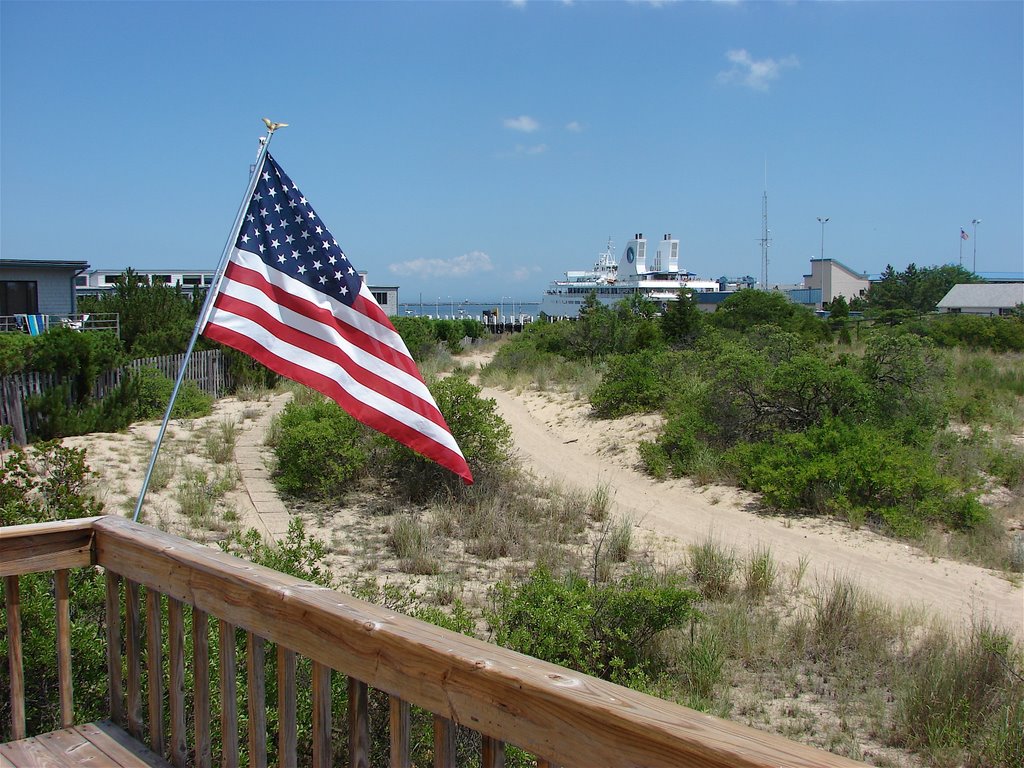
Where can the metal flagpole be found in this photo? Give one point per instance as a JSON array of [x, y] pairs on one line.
[[207, 305]]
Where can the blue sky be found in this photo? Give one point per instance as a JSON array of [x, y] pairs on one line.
[[480, 149]]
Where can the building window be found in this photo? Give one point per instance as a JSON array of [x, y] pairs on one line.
[[381, 298], [1005, 311], [110, 279], [82, 281], [19, 297], [160, 279], [191, 280]]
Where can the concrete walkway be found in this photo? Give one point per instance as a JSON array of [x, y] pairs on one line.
[[259, 505]]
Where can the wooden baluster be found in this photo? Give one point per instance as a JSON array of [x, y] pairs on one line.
[[287, 747], [201, 686], [133, 651], [228, 697], [176, 681], [444, 742], [113, 607], [257, 698], [492, 753], [67, 709], [321, 716], [358, 724], [15, 662], [399, 727], [155, 669]]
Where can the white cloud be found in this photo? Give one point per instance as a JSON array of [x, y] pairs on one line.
[[754, 73], [524, 273], [536, 149], [574, 127], [457, 266], [523, 123]]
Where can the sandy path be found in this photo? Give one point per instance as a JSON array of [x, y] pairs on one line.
[[557, 440]]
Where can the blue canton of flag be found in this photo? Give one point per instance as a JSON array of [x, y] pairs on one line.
[[284, 229]]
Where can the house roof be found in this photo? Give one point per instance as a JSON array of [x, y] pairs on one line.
[[836, 262], [43, 264], [984, 295]]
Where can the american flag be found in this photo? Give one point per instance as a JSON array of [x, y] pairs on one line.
[[963, 235], [292, 300]]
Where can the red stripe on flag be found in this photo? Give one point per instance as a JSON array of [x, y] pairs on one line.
[[320, 348], [367, 343]]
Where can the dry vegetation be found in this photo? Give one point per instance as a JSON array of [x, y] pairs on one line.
[[819, 661]]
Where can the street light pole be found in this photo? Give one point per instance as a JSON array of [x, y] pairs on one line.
[[823, 220], [975, 222]]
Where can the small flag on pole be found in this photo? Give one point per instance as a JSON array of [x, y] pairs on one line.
[[963, 235], [292, 300]]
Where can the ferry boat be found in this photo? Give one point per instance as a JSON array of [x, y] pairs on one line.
[[655, 276]]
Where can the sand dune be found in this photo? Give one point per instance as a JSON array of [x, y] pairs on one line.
[[557, 439]]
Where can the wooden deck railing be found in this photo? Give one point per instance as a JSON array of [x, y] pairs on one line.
[[565, 717]]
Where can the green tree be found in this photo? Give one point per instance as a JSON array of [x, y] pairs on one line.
[[604, 630], [155, 319], [915, 289], [748, 308], [682, 321], [593, 332]]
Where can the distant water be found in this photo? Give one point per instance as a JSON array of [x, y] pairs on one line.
[[471, 309]]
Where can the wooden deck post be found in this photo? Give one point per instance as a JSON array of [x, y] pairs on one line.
[[15, 662], [67, 707]]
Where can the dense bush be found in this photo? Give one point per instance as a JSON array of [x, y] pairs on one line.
[[154, 319], [998, 334], [857, 471], [749, 308], [77, 359], [604, 630], [483, 436], [153, 393], [319, 449], [634, 383], [56, 413]]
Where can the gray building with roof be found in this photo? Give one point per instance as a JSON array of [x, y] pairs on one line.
[[982, 298]]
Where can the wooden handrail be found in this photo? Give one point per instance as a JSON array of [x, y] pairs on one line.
[[566, 717]]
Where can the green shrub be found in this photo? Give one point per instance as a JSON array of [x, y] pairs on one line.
[[837, 467], [13, 352], [963, 701], [153, 392], [603, 630], [712, 568], [635, 383], [417, 334], [483, 436], [319, 449]]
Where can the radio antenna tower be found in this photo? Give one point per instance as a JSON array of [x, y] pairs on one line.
[[766, 239]]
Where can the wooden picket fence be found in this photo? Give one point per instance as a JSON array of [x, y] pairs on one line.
[[206, 369]]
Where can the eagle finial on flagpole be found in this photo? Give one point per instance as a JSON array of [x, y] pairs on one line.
[[272, 126]]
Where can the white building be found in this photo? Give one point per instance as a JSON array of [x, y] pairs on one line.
[[98, 281], [982, 298], [833, 279]]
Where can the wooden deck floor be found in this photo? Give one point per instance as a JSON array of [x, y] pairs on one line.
[[94, 745]]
